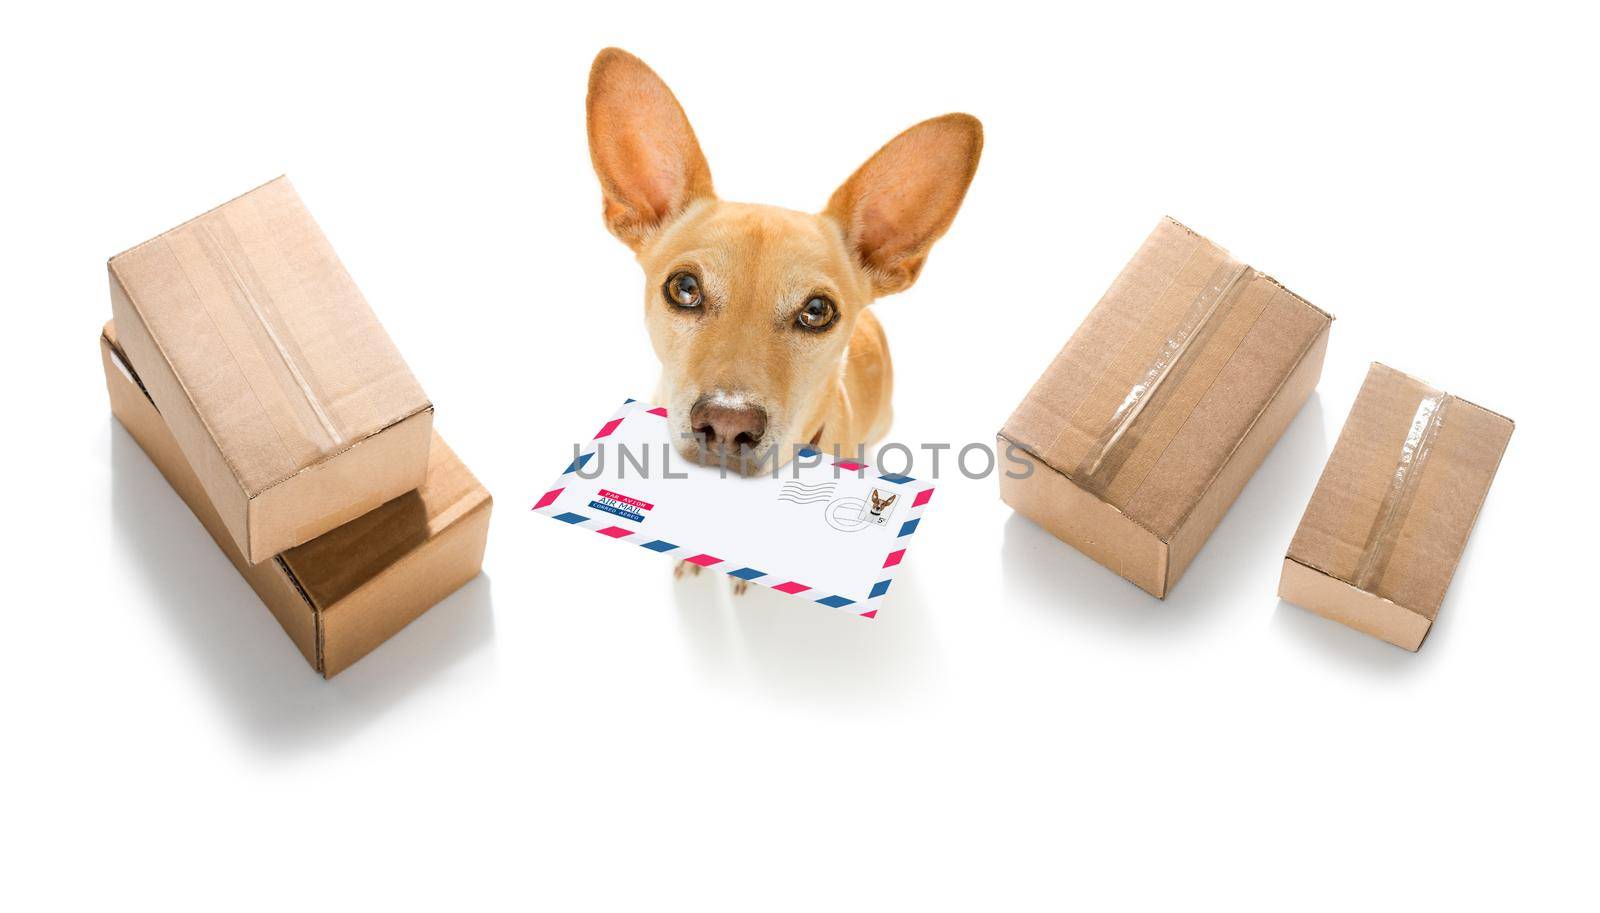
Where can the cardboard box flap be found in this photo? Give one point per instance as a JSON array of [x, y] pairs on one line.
[[342, 560], [269, 338], [1397, 501], [1149, 399]]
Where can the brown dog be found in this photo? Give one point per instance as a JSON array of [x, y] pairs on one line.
[[759, 314]]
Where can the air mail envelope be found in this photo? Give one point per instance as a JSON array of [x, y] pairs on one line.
[[830, 531]]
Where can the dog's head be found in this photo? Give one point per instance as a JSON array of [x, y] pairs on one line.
[[879, 505], [751, 308]]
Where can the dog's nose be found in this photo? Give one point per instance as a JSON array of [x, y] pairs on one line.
[[726, 425]]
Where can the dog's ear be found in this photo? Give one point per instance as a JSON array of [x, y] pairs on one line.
[[896, 205], [644, 151]]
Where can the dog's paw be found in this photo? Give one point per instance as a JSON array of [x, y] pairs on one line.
[[677, 571], [740, 586]]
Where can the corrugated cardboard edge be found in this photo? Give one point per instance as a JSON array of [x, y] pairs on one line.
[[1334, 598], [275, 584], [1311, 589], [318, 640]]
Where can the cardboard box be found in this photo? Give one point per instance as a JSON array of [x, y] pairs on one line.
[[1161, 406], [1386, 526], [347, 591], [285, 395]]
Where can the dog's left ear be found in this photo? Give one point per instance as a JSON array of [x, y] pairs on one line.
[[901, 201]]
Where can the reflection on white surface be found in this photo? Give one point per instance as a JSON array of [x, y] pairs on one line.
[[1054, 578], [239, 652], [785, 646]]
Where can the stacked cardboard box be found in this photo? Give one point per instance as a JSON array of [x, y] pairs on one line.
[[246, 363]]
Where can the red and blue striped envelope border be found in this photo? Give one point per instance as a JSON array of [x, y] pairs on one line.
[[865, 607]]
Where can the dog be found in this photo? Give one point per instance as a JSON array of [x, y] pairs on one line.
[[879, 505], [759, 314]]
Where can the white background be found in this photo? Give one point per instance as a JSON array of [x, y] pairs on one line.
[[1019, 728]]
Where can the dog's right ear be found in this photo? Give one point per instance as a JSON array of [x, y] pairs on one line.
[[896, 205], [644, 151]]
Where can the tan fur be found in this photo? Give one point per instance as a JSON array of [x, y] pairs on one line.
[[758, 265]]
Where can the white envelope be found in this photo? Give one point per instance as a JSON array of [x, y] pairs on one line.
[[832, 532]]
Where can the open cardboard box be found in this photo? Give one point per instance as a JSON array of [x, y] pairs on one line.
[[347, 591], [288, 401], [1161, 406]]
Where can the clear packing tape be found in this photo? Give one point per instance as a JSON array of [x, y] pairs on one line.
[[286, 388], [1147, 397], [1179, 351], [1402, 488]]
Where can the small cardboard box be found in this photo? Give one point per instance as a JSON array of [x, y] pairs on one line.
[[348, 590], [1390, 518], [285, 395], [1161, 406]]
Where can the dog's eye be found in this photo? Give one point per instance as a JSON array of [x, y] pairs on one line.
[[818, 313], [682, 290]]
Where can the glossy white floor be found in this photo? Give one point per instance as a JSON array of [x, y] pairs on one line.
[[1018, 728]]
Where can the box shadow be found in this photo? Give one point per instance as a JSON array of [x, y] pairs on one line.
[[1332, 642], [263, 684], [1052, 577], [788, 647]]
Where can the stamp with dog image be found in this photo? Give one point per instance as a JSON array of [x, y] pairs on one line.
[[879, 508]]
